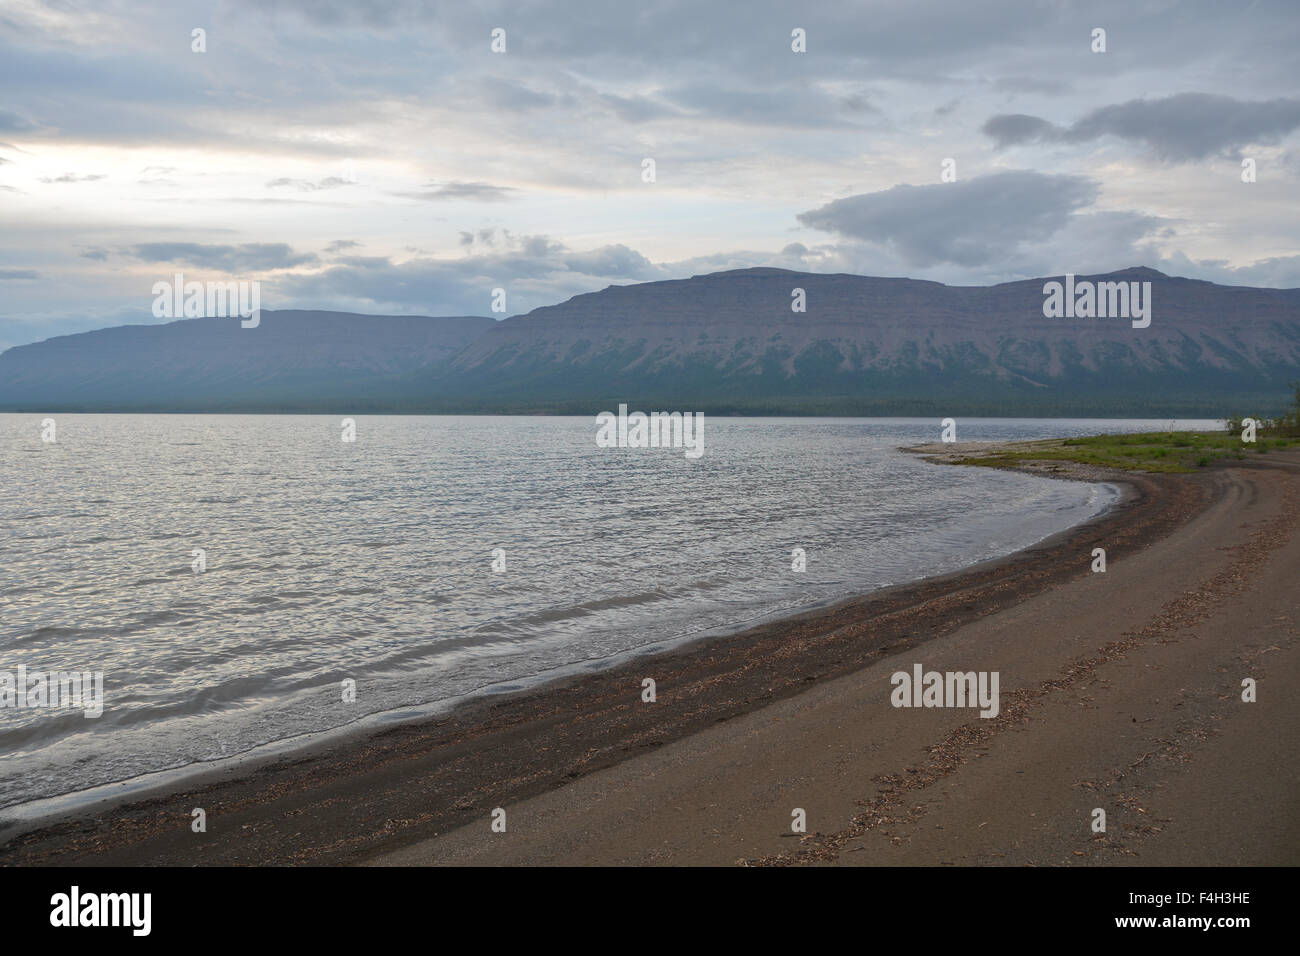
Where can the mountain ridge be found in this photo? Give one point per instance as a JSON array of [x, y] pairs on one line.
[[727, 342]]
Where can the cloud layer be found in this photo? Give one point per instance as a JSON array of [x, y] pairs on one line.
[[965, 223], [377, 155], [1181, 128]]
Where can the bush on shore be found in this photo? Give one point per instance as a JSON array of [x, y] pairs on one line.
[[1287, 425]]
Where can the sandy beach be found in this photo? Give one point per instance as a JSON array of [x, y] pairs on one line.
[[1120, 691]]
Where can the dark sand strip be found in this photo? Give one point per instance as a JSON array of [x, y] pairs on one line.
[[369, 798]]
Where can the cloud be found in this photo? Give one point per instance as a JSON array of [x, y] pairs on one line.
[[514, 97], [1052, 86], [272, 201], [304, 185], [18, 274], [250, 256], [1011, 129], [72, 178], [1278, 272], [534, 270], [745, 130], [635, 109], [967, 223], [793, 106], [615, 260], [1178, 129], [479, 192], [13, 123], [364, 262], [338, 245]]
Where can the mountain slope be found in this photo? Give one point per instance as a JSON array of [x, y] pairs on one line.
[[727, 342], [888, 344], [291, 359]]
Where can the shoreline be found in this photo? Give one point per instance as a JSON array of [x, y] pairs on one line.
[[151, 823], [19, 818], [1122, 704]]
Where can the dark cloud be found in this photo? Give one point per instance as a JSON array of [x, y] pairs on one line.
[[364, 262], [587, 54], [18, 274], [1010, 129], [536, 247], [1180, 128], [616, 260], [250, 256], [486, 237], [967, 223]]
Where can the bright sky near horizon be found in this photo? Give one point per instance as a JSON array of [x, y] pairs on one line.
[[381, 157]]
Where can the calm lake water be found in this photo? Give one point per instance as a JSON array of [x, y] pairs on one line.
[[372, 560]]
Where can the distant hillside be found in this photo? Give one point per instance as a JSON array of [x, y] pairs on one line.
[[726, 342], [889, 346], [292, 360]]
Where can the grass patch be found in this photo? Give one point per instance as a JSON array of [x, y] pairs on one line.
[[1169, 452]]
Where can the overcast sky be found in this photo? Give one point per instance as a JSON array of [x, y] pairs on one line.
[[379, 157]]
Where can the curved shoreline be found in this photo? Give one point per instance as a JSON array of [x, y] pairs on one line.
[[40, 811], [401, 784]]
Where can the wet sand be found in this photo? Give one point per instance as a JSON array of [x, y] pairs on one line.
[[1118, 690]]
